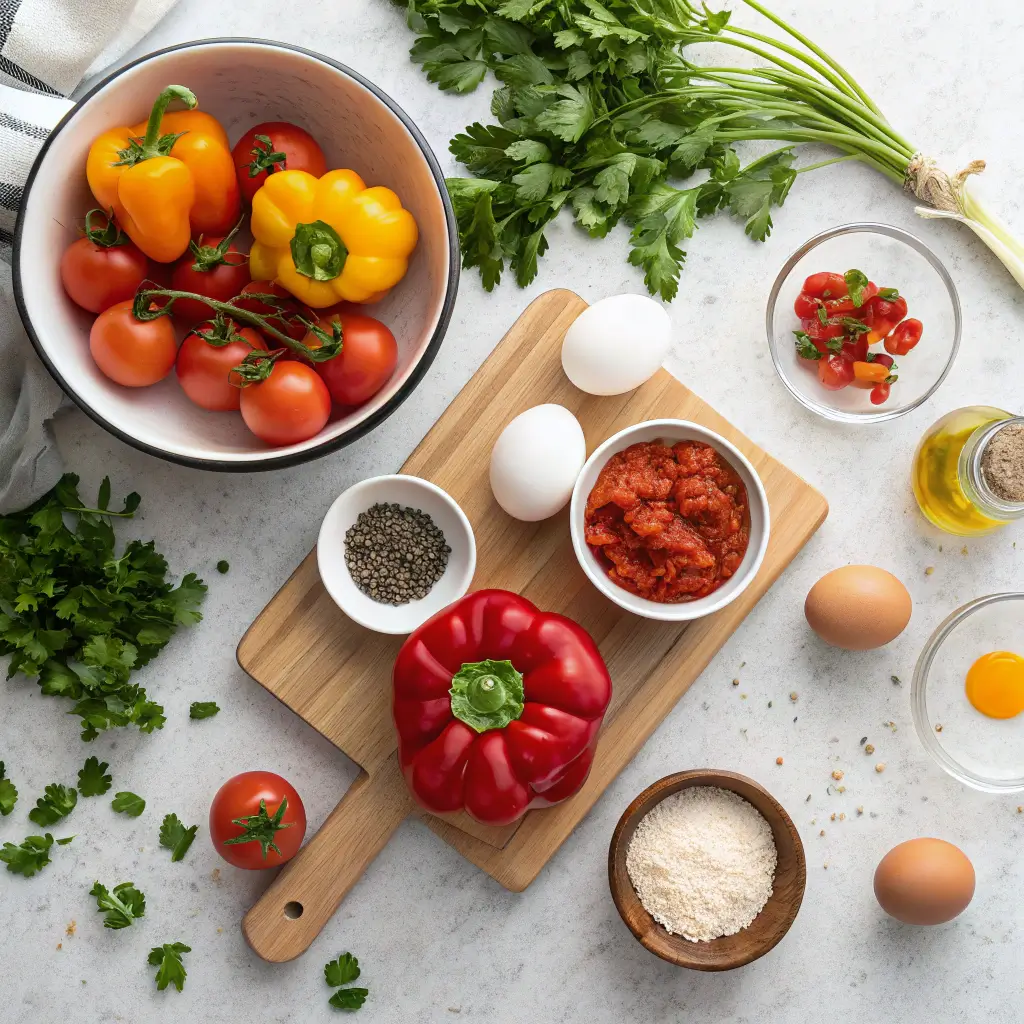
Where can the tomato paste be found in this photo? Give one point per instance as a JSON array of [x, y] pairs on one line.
[[668, 523]]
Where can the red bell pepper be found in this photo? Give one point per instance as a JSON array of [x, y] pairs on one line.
[[497, 707]]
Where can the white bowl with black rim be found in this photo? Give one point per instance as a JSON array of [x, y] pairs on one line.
[[241, 82]]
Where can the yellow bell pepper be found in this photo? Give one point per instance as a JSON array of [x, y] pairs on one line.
[[330, 239]]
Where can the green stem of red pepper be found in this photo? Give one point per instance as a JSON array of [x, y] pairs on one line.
[[487, 694]]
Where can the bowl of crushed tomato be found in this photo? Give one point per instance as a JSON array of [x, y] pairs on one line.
[[669, 520]]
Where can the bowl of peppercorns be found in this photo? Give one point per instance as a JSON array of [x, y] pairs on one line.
[[393, 550]]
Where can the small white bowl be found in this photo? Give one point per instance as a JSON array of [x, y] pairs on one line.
[[408, 491], [671, 431]]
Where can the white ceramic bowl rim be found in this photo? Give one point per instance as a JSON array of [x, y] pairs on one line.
[[682, 611], [863, 227], [330, 444]]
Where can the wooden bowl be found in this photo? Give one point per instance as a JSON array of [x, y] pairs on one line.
[[765, 931]]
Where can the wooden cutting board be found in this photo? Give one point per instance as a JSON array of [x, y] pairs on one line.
[[337, 675]]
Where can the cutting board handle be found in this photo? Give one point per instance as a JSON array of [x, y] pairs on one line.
[[301, 900]]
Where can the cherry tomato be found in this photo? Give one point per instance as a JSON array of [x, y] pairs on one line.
[[904, 337], [834, 371], [214, 267], [886, 361], [874, 372], [806, 305], [135, 353], [882, 315], [291, 405], [817, 331], [283, 147], [283, 317], [826, 286], [204, 370], [102, 268], [368, 357], [879, 393], [855, 350], [259, 797], [846, 307]]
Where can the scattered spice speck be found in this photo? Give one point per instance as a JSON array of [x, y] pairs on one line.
[[863, 740], [833, 816], [825, 866], [222, 566], [880, 767], [840, 789], [842, 816], [938, 728], [60, 945], [70, 930], [735, 682], [778, 760], [929, 570], [837, 774], [896, 680], [793, 696], [869, 749], [743, 696], [822, 832], [963, 550], [860, 810], [769, 703], [1020, 810], [808, 800]]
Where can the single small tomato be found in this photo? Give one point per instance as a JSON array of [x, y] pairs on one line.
[[873, 372], [214, 267], [882, 315], [102, 268], [884, 360], [856, 350], [275, 146], [806, 305], [206, 359], [257, 821], [818, 331], [826, 285], [879, 394], [290, 405], [834, 372], [904, 337], [285, 313], [135, 353], [368, 357]]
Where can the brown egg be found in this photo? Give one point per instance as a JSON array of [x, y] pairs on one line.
[[858, 607], [924, 881]]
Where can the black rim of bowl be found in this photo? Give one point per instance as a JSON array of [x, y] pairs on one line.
[[326, 447]]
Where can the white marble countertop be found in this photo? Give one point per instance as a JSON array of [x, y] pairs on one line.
[[438, 939]]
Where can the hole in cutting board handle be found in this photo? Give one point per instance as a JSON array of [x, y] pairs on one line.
[[293, 910]]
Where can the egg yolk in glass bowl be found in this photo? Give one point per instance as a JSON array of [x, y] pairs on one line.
[[995, 684]]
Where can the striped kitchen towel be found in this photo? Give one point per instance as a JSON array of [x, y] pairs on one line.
[[47, 47]]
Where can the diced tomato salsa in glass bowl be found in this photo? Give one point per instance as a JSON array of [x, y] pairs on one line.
[[669, 520], [845, 343]]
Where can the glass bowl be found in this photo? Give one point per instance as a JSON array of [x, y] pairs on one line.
[[892, 258], [984, 753]]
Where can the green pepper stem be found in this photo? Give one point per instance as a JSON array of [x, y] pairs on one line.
[[487, 694], [156, 115]]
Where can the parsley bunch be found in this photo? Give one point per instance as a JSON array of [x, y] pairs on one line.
[[80, 619], [599, 112]]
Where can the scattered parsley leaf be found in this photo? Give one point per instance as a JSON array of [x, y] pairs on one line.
[[349, 998], [834, 344], [341, 971], [889, 294], [223, 565], [203, 709], [856, 282], [120, 907], [175, 837], [167, 960], [8, 792], [92, 780], [32, 854], [57, 802], [128, 803], [78, 618]]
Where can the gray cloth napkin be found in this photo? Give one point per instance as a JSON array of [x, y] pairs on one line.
[[47, 47]]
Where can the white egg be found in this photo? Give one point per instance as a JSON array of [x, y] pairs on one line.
[[616, 344], [535, 462]]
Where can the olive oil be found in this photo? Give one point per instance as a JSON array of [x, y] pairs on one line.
[[942, 476]]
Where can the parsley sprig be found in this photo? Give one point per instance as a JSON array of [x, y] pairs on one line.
[[174, 836], [8, 792], [120, 907], [80, 619], [93, 779], [167, 960], [56, 802], [597, 111], [32, 854]]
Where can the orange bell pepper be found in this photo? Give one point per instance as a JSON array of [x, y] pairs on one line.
[[167, 179]]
